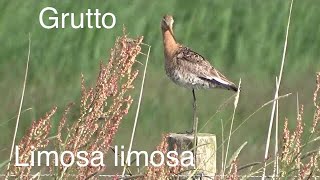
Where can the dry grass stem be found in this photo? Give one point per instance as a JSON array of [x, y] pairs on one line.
[[277, 91], [138, 109], [21, 102]]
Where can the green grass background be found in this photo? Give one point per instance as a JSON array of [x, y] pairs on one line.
[[242, 38]]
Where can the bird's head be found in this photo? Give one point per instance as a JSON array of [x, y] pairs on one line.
[[167, 23]]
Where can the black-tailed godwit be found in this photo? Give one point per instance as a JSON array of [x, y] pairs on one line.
[[188, 68]]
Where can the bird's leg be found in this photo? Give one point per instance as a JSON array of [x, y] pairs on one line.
[[195, 118], [195, 127]]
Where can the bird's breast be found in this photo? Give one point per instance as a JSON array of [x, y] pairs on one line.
[[187, 80]]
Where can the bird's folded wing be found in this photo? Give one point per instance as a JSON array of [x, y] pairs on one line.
[[186, 54], [198, 65]]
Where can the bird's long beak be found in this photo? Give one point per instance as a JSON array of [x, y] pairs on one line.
[[170, 28], [171, 31]]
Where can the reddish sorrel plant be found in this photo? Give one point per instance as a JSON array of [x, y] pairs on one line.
[[101, 110], [163, 171], [295, 162], [36, 138], [233, 171]]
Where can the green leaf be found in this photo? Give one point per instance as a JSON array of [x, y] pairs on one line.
[[236, 154]]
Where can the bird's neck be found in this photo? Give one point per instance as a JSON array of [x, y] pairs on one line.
[[169, 43]]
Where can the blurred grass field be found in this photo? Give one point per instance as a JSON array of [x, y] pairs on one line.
[[243, 39]]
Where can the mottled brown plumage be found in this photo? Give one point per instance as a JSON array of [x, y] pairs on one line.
[[188, 68]]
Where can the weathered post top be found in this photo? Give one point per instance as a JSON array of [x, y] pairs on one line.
[[205, 157]]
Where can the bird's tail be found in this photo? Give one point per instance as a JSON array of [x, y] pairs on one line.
[[222, 83], [233, 88]]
